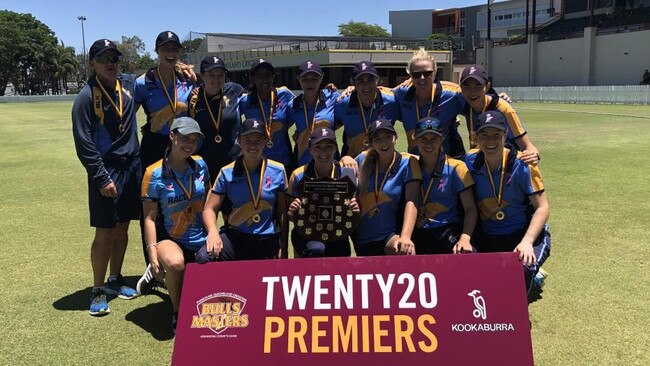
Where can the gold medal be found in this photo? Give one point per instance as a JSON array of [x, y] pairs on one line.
[[256, 218], [217, 139], [255, 198], [216, 123], [119, 109], [269, 144], [121, 128], [500, 215], [498, 197], [376, 211], [269, 122]]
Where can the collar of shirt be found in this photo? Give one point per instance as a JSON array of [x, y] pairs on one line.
[[167, 172]]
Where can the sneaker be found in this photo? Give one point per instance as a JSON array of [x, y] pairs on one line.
[[540, 278], [98, 304], [174, 321], [146, 282], [117, 286]]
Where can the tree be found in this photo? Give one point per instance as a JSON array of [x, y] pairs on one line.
[[131, 48], [361, 29], [145, 62], [189, 46]]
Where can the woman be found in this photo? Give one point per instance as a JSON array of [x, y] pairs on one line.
[[368, 102], [422, 96], [267, 103], [473, 83], [507, 190], [322, 147], [446, 182], [214, 107], [106, 139], [312, 109], [388, 189], [256, 186], [176, 186], [162, 91]]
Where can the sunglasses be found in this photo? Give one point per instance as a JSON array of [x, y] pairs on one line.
[[428, 125], [105, 59], [419, 74]]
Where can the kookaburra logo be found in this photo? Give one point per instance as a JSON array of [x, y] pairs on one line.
[[488, 118], [480, 310], [472, 70], [262, 60], [107, 43], [324, 131], [216, 60], [255, 124], [309, 64], [169, 35], [363, 66], [377, 124]]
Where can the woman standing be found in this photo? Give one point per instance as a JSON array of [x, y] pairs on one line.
[[256, 187], [388, 193], [446, 183], [176, 186], [106, 139], [267, 103], [507, 191], [322, 147], [312, 109]]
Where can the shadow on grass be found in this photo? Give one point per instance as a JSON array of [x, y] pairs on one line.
[[154, 318], [535, 294], [80, 299]]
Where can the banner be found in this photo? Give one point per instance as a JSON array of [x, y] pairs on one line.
[[442, 309]]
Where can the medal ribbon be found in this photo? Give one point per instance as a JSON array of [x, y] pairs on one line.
[[190, 193], [471, 122], [363, 113], [417, 107], [118, 90], [425, 195], [498, 198], [313, 120], [383, 182], [272, 107], [173, 103], [255, 199], [216, 123]]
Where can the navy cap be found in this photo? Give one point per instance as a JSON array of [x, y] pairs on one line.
[[211, 63], [429, 125], [362, 68], [260, 62], [320, 134], [166, 37], [380, 124], [309, 66], [186, 126], [253, 125], [100, 46], [476, 72], [494, 119]]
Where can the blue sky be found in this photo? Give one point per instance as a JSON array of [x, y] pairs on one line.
[[146, 18]]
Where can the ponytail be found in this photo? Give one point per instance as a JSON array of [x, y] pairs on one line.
[[366, 169]]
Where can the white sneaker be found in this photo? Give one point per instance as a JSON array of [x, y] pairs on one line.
[[144, 283]]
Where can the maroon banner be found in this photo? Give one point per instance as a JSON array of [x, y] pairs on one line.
[[444, 309]]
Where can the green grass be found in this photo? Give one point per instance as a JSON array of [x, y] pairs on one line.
[[593, 309]]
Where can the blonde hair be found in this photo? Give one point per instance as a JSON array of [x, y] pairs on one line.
[[366, 169], [421, 55]]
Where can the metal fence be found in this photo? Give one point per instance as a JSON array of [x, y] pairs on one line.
[[36, 98], [631, 94]]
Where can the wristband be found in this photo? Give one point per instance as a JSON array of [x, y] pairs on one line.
[[151, 245]]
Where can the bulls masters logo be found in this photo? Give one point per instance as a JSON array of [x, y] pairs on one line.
[[220, 311]]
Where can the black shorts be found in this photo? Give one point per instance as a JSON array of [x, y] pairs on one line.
[[437, 241], [373, 248], [106, 212], [152, 147], [242, 246], [306, 248]]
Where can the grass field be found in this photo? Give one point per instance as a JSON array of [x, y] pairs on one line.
[[593, 311]]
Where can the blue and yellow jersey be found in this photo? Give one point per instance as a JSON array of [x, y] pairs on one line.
[[515, 127], [100, 133], [307, 171], [442, 188], [232, 183], [305, 120], [222, 115], [249, 107], [445, 104], [150, 93], [349, 114], [377, 225], [520, 181], [183, 217]]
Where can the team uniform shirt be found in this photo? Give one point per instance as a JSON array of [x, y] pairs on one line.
[[520, 181], [307, 172], [449, 179], [233, 184], [150, 93], [225, 115], [100, 134], [324, 117], [183, 218], [445, 104], [376, 227], [515, 129], [348, 113], [249, 108]]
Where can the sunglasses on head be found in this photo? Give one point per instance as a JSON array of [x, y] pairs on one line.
[[428, 125], [104, 59], [419, 74]]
